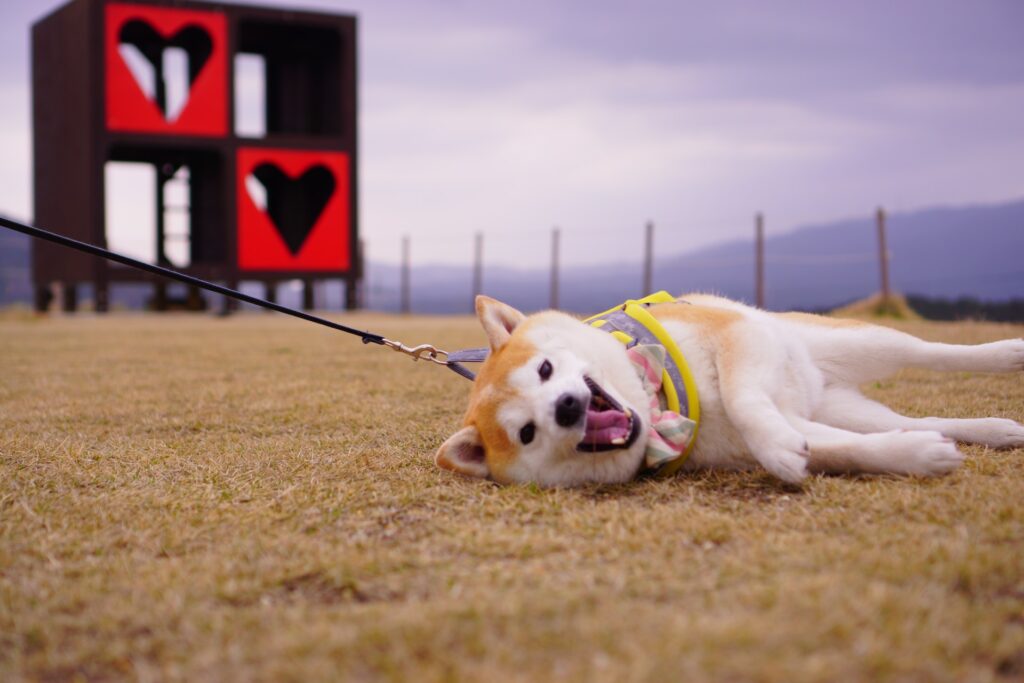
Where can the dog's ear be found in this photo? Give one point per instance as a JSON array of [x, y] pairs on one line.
[[463, 452], [498, 320]]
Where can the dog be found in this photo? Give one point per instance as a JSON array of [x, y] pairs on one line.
[[560, 402]]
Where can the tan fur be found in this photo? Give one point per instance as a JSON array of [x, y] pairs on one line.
[[710, 320], [490, 390], [822, 320]]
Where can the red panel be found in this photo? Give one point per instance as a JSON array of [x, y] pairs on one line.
[[128, 108], [261, 242]]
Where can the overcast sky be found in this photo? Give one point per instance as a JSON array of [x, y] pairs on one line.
[[509, 118]]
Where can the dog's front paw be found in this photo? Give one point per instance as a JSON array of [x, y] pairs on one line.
[[786, 461], [928, 454]]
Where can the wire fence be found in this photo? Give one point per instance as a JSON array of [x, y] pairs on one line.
[[546, 282]]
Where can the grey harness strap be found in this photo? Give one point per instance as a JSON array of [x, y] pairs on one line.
[[457, 358], [618, 321]]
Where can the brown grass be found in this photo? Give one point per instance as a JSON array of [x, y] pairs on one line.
[[253, 499]]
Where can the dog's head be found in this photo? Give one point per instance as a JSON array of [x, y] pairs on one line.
[[557, 403]]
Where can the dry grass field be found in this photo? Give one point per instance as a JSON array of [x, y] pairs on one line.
[[253, 499]]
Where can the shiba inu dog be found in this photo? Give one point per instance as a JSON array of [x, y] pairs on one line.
[[560, 402]]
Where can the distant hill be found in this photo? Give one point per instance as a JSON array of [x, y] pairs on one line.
[[944, 252], [973, 251]]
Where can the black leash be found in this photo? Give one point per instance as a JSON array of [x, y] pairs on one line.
[[423, 351]]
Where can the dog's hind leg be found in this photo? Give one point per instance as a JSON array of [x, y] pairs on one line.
[[862, 353], [837, 451], [846, 408]]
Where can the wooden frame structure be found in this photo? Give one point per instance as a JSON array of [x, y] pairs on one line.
[[89, 109]]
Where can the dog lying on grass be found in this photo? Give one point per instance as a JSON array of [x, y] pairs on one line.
[[560, 402]]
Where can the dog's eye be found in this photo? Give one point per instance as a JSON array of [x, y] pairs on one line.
[[526, 433], [545, 371]]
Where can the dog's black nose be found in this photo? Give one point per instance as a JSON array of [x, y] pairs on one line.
[[568, 410]]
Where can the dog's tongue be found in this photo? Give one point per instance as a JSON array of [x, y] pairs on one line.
[[605, 426]]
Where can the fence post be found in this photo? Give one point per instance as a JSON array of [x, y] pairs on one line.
[[648, 259], [478, 269], [554, 267], [883, 255], [759, 259], [406, 267]]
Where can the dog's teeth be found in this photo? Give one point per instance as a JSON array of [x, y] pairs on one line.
[[628, 413], [618, 442]]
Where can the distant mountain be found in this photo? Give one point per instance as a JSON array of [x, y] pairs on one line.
[[944, 252], [973, 251]]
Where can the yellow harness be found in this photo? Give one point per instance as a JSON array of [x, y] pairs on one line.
[[631, 323]]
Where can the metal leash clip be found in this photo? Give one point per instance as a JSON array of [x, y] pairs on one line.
[[423, 351]]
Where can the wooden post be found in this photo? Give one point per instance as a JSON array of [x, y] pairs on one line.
[[159, 295], [759, 259], [160, 285], [355, 287], [193, 299], [351, 301], [101, 291], [308, 295], [43, 298], [406, 285], [648, 260], [478, 269], [229, 305], [70, 297], [554, 267], [883, 254]]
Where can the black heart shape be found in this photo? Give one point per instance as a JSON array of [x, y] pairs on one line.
[[295, 204], [194, 40]]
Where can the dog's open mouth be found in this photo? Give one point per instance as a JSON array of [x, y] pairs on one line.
[[609, 426]]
